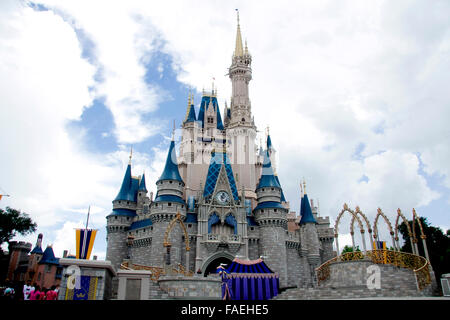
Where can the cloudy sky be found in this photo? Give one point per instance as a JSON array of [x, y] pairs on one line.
[[356, 94]]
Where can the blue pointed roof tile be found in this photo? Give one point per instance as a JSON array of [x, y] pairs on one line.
[[306, 212], [217, 160], [268, 178], [269, 142], [129, 187], [191, 116], [142, 186], [204, 106], [171, 168], [48, 257], [37, 250]]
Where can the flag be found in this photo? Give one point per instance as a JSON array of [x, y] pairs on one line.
[[85, 241], [87, 290]]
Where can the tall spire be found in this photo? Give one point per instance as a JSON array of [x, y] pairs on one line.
[[238, 52], [190, 112], [142, 186], [305, 208], [131, 154], [268, 178], [126, 192], [171, 168]]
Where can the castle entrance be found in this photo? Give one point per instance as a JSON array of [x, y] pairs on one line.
[[212, 266]]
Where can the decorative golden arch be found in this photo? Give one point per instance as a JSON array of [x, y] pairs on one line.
[[408, 228], [336, 225], [352, 223], [375, 226], [355, 216], [169, 229], [422, 235]]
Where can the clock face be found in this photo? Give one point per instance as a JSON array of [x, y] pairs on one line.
[[222, 197]]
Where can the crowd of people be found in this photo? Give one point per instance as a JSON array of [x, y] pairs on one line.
[[27, 292]]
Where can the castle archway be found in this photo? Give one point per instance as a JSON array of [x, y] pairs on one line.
[[212, 262]]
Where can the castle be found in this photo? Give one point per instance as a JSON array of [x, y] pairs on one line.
[[225, 190]]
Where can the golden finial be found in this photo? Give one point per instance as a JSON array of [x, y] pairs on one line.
[[246, 48], [301, 189], [304, 186], [192, 99]]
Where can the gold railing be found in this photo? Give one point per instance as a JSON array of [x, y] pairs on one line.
[[419, 265], [156, 271]]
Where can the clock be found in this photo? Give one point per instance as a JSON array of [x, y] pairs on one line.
[[222, 197]]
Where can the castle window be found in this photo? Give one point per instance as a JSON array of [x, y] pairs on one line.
[[189, 225], [128, 202], [170, 181], [151, 228], [263, 189], [210, 120], [169, 204], [272, 189], [275, 210], [128, 218], [251, 228], [243, 120], [182, 207], [262, 211], [115, 217]]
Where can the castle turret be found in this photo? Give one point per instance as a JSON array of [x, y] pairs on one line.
[[271, 216], [164, 208], [121, 217], [309, 236]]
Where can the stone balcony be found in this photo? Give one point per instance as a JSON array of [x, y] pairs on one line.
[[232, 241]]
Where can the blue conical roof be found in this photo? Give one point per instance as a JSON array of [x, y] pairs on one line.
[[268, 178], [269, 142], [283, 199], [37, 250], [305, 211], [49, 257], [171, 169], [142, 186], [129, 187], [191, 116]]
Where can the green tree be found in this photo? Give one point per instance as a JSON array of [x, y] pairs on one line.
[[438, 245], [350, 249], [13, 221]]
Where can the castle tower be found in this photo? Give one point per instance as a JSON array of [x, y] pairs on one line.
[[163, 209], [271, 216], [17, 258], [120, 219], [309, 237], [35, 256], [241, 130]]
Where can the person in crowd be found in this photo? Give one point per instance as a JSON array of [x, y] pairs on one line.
[[35, 294], [51, 294], [27, 288]]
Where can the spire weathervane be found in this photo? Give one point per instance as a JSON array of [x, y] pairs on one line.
[[131, 154], [238, 52], [173, 131]]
